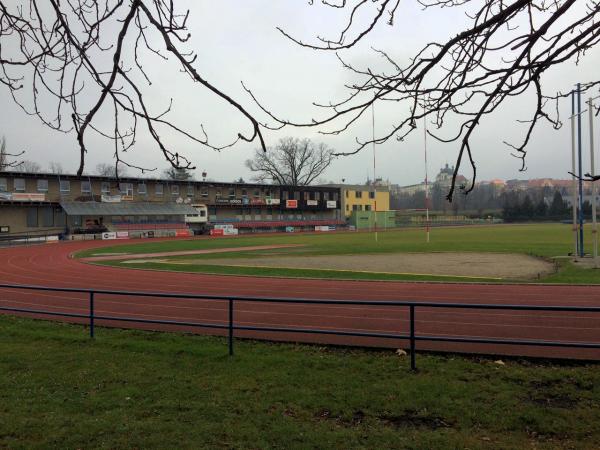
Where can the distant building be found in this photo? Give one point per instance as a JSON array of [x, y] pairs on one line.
[[71, 204], [363, 198]]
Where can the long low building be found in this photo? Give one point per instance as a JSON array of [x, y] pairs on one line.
[[70, 204]]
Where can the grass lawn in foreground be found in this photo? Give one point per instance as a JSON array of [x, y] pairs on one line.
[[135, 389], [543, 240]]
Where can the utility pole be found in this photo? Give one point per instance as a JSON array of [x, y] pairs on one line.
[[581, 251], [592, 171]]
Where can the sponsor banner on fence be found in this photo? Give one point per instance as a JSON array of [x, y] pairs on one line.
[[312, 202], [230, 231], [216, 232], [5, 196], [28, 197], [257, 201], [291, 204], [122, 234], [180, 233], [110, 198], [289, 229], [223, 226], [109, 235], [331, 204], [273, 201]]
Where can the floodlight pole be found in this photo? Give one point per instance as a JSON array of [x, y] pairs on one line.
[[374, 169], [592, 171], [581, 251], [426, 177], [573, 171]]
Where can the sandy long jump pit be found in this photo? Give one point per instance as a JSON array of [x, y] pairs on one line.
[[480, 265]]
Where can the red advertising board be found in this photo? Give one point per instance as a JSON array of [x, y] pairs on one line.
[[291, 204], [180, 233], [216, 232]]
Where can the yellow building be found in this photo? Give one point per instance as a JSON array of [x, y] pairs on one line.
[[363, 198]]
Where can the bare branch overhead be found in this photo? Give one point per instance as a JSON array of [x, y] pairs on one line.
[[504, 51]]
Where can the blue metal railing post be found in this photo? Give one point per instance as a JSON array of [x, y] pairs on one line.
[[92, 314], [413, 363], [230, 337]]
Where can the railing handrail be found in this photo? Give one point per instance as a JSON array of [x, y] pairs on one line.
[[230, 326], [220, 297]]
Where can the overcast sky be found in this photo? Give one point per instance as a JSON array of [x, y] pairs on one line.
[[237, 41]]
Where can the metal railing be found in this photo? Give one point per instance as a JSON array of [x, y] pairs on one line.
[[231, 327]]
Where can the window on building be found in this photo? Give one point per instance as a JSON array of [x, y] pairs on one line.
[[3, 185], [356, 207], [32, 217], [231, 193], [175, 189], [190, 190], [204, 192], [47, 216], [65, 186], [244, 193], [256, 193], [105, 188], [59, 218], [42, 185], [142, 188], [20, 184], [158, 189], [347, 193], [358, 194], [218, 193], [126, 188], [311, 195], [86, 187], [371, 194], [267, 192], [347, 207], [367, 207]]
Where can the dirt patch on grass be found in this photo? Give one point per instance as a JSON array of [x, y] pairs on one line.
[[479, 265]]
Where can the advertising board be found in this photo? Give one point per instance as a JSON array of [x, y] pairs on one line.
[[216, 232], [122, 234], [291, 204], [312, 202], [108, 235], [331, 204], [28, 197]]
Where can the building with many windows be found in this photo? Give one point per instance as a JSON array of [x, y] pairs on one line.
[[363, 198], [71, 204]]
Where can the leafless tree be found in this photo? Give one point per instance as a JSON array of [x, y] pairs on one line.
[[7, 160], [28, 166], [111, 170], [55, 167], [292, 162], [67, 52], [504, 51]]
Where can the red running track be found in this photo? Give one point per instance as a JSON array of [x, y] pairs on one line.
[[51, 265]]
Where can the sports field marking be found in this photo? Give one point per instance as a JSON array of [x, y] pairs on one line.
[[117, 257]]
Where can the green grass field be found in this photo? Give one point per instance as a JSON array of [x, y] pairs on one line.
[[543, 240], [135, 389]]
